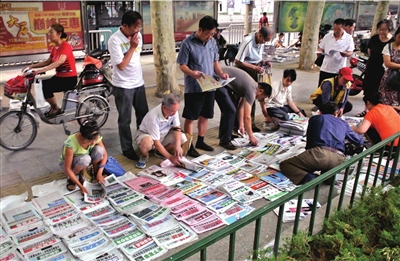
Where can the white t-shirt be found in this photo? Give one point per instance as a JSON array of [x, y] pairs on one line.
[[276, 41], [279, 96], [132, 76], [343, 44], [155, 124]]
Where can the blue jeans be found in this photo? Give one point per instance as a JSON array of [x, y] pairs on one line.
[[125, 99]]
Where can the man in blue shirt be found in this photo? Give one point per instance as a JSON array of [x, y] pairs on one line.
[[325, 146], [198, 55]]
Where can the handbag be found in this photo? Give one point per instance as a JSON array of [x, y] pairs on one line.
[[393, 79], [319, 60], [112, 166]]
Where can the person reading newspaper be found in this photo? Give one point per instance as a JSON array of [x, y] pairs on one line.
[[160, 130], [325, 146], [236, 100], [79, 151]]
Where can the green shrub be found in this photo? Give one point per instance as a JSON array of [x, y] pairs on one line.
[[370, 231]]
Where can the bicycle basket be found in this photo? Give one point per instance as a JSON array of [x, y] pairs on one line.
[[16, 87]]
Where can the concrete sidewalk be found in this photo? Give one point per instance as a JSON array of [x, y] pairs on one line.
[[41, 158]]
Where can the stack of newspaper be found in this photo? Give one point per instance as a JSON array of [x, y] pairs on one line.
[[166, 176], [296, 126], [289, 212], [8, 250], [211, 162]]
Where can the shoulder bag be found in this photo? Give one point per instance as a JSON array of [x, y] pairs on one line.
[[393, 79]]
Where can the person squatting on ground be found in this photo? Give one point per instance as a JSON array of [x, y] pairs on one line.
[[63, 60], [335, 89], [326, 134], [391, 60], [161, 130], [125, 46], [235, 101], [250, 58], [338, 41], [380, 122], [280, 103], [80, 150], [278, 41], [375, 70], [198, 55]]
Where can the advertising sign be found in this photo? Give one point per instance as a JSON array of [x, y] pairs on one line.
[[24, 26], [188, 15], [291, 16], [333, 11], [366, 13]]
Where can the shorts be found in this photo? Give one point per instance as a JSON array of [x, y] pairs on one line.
[[199, 104], [96, 154], [168, 139]]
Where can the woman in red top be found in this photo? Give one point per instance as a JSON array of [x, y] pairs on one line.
[[62, 59]]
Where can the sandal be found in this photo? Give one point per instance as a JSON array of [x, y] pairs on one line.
[[81, 178], [71, 186], [48, 113], [361, 114]]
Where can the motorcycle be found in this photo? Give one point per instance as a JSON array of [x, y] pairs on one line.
[[361, 64], [226, 52], [97, 72]]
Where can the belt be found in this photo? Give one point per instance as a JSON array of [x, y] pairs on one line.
[[332, 150]]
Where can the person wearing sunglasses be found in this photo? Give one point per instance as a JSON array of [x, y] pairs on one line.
[[80, 150]]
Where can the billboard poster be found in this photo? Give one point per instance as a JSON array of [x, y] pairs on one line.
[[333, 11], [188, 15], [291, 16], [366, 13], [24, 26]]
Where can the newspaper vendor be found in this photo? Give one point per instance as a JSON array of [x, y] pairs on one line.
[[160, 130], [325, 146], [380, 122], [335, 89], [79, 151], [236, 100], [281, 103]]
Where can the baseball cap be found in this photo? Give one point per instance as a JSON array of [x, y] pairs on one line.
[[347, 73]]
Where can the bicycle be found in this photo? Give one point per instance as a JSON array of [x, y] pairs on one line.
[[19, 127]]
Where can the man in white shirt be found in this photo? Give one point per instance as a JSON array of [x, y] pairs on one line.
[[278, 41], [124, 47], [339, 45], [280, 102], [160, 130]]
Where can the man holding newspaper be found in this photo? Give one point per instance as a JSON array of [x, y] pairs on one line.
[[198, 56], [160, 130]]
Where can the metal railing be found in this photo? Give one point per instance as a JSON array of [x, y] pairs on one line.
[[256, 216], [98, 39]]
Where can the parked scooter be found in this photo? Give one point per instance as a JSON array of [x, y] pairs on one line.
[[361, 64], [97, 73]]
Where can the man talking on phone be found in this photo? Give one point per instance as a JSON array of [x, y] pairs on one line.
[[125, 46]]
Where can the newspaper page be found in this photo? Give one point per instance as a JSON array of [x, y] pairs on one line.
[[20, 218], [208, 83], [96, 192]]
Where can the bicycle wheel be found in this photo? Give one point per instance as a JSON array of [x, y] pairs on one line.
[[93, 108], [17, 131]]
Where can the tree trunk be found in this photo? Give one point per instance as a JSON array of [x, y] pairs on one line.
[[164, 47], [380, 14], [248, 17], [309, 40]]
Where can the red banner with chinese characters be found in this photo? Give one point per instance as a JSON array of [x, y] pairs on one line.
[[24, 26]]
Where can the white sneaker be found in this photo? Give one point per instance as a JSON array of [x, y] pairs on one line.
[[270, 126]]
